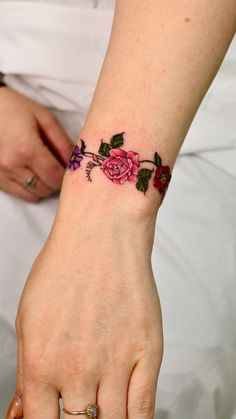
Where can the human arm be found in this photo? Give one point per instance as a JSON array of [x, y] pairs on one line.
[[93, 280]]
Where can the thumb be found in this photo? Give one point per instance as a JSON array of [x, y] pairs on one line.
[[54, 136]]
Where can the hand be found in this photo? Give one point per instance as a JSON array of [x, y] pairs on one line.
[[31, 143], [89, 322]]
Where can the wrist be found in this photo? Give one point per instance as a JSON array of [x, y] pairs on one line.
[[121, 169], [109, 191], [103, 214], [107, 200]]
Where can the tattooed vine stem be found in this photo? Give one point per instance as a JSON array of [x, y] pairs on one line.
[[121, 166]]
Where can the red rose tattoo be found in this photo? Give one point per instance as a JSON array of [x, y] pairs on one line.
[[121, 166], [162, 178]]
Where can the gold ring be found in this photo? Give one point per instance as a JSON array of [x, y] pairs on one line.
[[30, 182], [91, 411]]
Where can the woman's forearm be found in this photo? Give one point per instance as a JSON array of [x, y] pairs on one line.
[[89, 322], [161, 59]]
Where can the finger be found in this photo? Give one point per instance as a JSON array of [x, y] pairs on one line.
[[46, 166], [15, 409], [142, 389], [112, 394], [40, 401], [79, 395], [55, 136], [40, 188], [14, 188], [19, 376]]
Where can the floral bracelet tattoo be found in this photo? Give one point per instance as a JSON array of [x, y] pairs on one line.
[[121, 166]]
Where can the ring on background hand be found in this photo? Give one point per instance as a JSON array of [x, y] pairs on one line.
[[31, 182], [91, 411]]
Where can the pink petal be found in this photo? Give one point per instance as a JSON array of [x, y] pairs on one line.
[[132, 178], [134, 157], [134, 170], [123, 179], [107, 173], [124, 169], [117, 160], [117, 181], [111, 171], [117, 152], [130, 163], [105, 163], [109, 163]]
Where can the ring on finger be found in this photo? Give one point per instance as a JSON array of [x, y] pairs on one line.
[[91, 411], [31, 181]]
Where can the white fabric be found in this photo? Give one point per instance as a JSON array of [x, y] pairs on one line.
[[54, 55], [98, 4], [56, 50]]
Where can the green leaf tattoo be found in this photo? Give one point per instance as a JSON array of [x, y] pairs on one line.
[[104, 149], [143, 178], [157, 160], [142, 184], [117, 140], [145, 173]]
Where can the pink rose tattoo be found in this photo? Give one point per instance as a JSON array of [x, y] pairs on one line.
[[121, 166]]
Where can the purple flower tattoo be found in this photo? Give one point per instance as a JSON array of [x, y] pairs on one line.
[[75, 159]]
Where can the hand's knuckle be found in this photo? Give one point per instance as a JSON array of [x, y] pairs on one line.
[[76, 364], [5, 163], [24, 151], [150, 347], [35, 367]]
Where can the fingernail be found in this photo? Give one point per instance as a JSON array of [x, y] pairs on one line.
[[14, 408]]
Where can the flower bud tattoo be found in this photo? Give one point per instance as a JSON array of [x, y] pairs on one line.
[[121, 166]]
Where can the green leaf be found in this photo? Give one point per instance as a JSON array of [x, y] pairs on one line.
[[117, 140], [142, 184], [82, 147], [157, 159], [104, 149], [145, 174]]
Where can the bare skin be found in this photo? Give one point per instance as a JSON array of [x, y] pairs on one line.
[[26, 130], [99, 339], [89, 322]]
